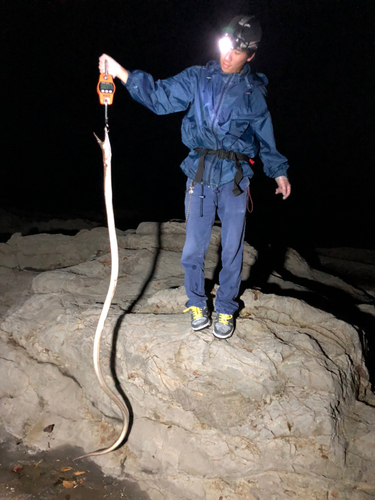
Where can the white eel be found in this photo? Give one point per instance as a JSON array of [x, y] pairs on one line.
[[107, 155]]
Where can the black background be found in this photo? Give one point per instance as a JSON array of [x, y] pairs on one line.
[[318, 56]]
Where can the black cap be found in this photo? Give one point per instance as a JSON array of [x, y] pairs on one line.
[[245, 31]]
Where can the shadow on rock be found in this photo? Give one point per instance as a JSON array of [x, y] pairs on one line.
[[116, 332], [321, 296]]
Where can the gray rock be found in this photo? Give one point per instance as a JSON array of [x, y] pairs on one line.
[[27, 222], [44, 251], [299, 267], [15, 286], [353, 264], [281, 410]]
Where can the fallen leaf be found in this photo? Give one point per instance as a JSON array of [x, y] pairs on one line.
[[65, 469], [79, 473], [37, 464], [49, 428], [17, 469], [67, 497], [69, 484]]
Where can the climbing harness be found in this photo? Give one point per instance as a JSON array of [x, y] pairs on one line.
[[107, 155], [222, 154]]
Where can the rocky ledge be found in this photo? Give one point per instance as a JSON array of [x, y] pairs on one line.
[[282, 410]]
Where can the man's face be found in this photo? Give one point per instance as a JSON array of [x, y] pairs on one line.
[[233, 61]]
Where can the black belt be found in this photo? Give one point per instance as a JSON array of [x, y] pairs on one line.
[[223, 155]]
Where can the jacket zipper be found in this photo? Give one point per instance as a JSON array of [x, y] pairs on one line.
[[214, 120], [218, 108]]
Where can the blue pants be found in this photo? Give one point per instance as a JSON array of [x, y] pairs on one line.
[[231, 211]]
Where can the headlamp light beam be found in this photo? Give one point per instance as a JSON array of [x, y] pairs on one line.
[[225, 44]]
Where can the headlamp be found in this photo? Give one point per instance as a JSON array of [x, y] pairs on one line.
[[243, 33], [226, 44]]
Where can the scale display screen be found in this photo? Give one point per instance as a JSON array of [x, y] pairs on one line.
[[105, 87]]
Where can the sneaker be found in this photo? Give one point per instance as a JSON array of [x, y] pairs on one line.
[[199, 317], [223, 326]]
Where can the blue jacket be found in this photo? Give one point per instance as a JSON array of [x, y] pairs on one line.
[[225, 111]]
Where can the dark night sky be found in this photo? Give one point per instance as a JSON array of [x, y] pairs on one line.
[[318, 56]]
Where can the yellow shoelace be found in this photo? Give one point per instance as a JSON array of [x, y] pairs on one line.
[[197, 312], [223, 318]]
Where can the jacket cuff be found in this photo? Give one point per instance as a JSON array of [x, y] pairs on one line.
[[129, 80], [281, 175]]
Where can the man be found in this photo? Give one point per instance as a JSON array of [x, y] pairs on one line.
[[227, 124]]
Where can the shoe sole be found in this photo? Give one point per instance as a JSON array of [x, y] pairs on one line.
[[206, 325], [222, 337]]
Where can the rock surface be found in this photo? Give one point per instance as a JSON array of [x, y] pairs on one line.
[[353, 264], [281, 410], [32, 223]]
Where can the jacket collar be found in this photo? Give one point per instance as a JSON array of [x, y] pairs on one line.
[[253, 79]]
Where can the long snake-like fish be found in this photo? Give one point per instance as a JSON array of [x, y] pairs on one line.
[[107, 155]]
